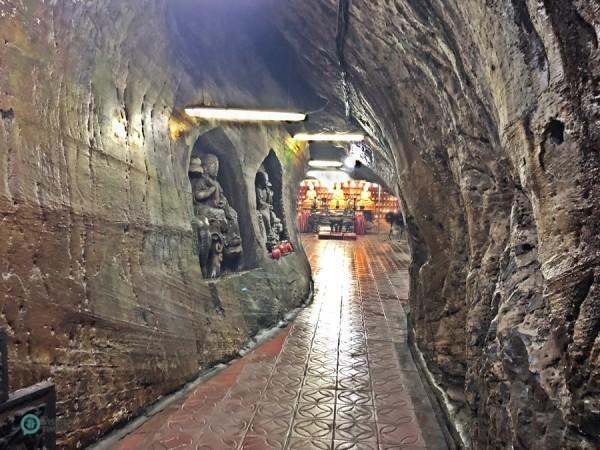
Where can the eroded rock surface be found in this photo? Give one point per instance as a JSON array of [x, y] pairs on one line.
[[483, 117], [489, 114], [101, 289]]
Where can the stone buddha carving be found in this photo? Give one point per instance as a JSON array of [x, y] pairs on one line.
[[218, 229], [271, 225]]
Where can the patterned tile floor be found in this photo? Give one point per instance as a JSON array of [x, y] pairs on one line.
[[340, 377]]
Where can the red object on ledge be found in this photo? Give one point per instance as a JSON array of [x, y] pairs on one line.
[[276, 253], [287, 247]]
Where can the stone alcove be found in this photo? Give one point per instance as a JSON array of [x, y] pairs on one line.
[[231, 178], [272, 167]]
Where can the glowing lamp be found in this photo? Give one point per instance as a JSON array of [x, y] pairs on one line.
[[330, 137], [323, 163], [244, 115], [328, 177]]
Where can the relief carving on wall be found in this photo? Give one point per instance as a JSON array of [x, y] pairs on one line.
[[271, 225], [219, 237]]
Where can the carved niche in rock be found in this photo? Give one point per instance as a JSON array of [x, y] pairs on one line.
[[271, 225], [219, 238]]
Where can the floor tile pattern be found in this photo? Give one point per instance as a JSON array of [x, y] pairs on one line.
[[340, 377]]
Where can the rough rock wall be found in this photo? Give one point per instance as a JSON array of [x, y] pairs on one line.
[[100, 283], [489, 114]]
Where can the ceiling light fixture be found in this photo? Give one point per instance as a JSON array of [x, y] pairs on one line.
[[324, 163], [350, 162], [330, 137], [328, 176], [243, 115]]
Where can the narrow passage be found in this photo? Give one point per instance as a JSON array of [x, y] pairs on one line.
[[340, 377]]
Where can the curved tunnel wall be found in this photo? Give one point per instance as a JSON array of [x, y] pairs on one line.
[[101, 288], [487, 112], [485, 118]]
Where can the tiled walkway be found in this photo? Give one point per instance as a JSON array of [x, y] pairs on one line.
[[340, 377]]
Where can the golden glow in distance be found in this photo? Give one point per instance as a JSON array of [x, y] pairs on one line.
[[323, 163], [330, 137], [244, 115]]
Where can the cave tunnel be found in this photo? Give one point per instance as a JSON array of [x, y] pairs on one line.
[[300, 224]]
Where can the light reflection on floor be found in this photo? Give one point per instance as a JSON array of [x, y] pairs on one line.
[[340, 377]]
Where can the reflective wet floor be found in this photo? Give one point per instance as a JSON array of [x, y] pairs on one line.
[[340, 377]]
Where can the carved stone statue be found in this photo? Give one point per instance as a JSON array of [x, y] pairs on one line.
[[338, 200], [365, 201], [218, 230], [310, 198], [271, 224]]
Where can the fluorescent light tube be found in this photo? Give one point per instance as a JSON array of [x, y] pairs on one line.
[[330, 137], [328, 176], [324, 163], [244, 115]]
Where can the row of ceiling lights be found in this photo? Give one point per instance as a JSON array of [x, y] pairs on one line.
[[247, 115], [250, 115]]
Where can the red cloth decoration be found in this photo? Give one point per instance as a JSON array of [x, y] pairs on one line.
[[302, 221], [360, 224]]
